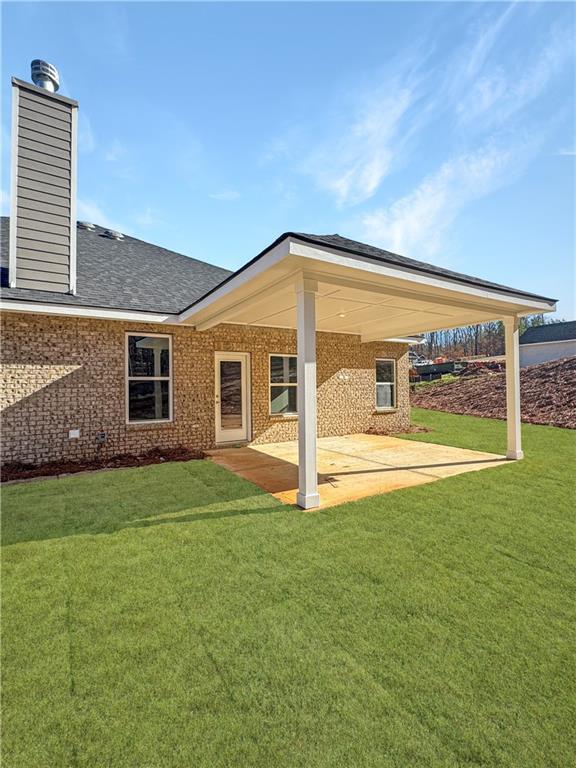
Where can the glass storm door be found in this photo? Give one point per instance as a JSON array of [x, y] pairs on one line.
[[232, 397]]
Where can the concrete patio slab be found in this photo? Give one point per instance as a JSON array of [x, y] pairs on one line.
[[353, 466]]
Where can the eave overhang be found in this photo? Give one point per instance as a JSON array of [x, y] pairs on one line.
[[356, 294]]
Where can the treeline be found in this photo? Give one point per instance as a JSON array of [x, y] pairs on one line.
[[474, 340]]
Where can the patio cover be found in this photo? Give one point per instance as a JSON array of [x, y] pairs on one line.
[[328, 283]]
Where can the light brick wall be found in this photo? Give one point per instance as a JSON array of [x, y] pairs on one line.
[[68, 373]]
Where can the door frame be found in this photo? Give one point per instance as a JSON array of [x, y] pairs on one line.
[[220, 436]]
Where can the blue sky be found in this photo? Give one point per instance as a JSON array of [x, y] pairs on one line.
[[443, 131]]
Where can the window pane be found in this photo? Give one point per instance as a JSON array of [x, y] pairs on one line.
[[282, 369], [231, 394], [283, 399], [148, 356], [384, 395], [148, 400], [385, 371]]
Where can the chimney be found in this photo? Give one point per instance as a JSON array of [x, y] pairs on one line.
[[43, 194]]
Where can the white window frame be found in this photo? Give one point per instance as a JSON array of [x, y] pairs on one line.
[[394, 384], [129, 378], [288, 414]]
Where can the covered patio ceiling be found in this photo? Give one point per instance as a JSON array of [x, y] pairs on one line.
[[355, 293]]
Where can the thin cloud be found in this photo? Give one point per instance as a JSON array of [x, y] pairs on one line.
[[278, 148], [115, 152], [371, 134], [86, 138], [352, 166], [500, 94], [361, 134], [487, 36], [88, 210], [117, 37], [148, 218], [225, 194], [417, 224]]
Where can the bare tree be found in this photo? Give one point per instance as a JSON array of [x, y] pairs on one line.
[[484, 339]]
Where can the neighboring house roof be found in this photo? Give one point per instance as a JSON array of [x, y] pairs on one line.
[[126, 274], [540, 334], [130, 274]]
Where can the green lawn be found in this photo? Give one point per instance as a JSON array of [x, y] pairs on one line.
[[175, 615]]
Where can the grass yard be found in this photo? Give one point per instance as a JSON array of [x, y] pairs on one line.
[[175, 615]]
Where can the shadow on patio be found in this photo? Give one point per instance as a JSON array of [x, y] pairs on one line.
[[353, 466]]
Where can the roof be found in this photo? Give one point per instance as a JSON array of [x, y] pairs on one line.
[[539, 334], [131, 274], [127, 274], [379, 254], [362, 250]]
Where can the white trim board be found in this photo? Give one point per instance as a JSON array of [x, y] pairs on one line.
[[363, 274], [283, 414], [74, 310], [412, 274], [269, 259], [128, 379], [394, 383], [242, 434], [13, 188], [73, 195]]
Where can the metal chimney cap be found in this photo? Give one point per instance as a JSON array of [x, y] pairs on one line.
[[45, 75]]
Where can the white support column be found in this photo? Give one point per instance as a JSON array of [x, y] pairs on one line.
[[307, 497], [511, 335]]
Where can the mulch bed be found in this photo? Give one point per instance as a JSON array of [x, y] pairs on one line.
[[19, 471], [547, 394]]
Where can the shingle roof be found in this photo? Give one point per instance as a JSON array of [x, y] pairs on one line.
[[131, 274], [362, 250], [379, 254], [126, 274], [550, 332]]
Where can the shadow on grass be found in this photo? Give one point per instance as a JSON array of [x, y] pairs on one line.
[[19, 535], [106, 503], [199, 516]]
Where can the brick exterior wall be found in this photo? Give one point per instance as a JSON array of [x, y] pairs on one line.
[[68, 373]]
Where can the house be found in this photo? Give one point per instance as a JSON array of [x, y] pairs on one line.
[[547, 342], [114, 345]]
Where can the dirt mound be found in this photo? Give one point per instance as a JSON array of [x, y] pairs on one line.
[[547, 393]]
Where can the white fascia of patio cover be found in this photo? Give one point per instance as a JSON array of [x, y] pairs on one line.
[[379, 301]]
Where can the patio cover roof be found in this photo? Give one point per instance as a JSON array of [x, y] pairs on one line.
[[360, 289]]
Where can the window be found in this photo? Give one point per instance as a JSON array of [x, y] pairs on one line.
[[148, 378], [283, 384], [385, 384]]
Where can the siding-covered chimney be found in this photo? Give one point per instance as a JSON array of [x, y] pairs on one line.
[[43, 210]]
